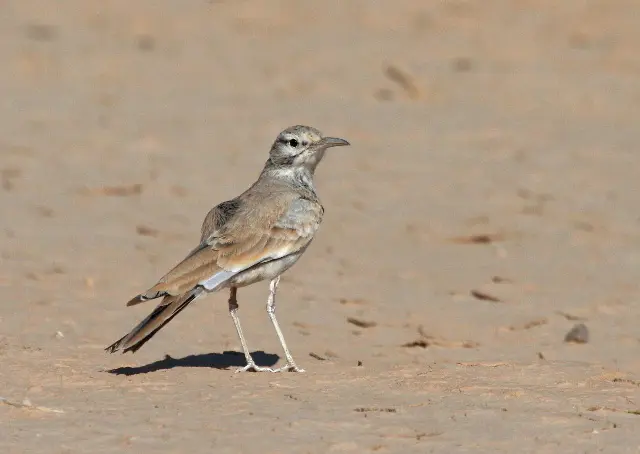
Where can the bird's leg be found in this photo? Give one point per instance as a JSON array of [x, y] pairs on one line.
[[271, 310], [233, 309]]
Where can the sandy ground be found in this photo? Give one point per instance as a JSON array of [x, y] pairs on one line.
[[488, 204]]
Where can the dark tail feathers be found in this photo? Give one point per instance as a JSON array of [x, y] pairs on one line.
[[161, 315]]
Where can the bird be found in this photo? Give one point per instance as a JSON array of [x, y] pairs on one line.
[[253, 237]]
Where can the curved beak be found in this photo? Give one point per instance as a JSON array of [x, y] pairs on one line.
[[327, 142]]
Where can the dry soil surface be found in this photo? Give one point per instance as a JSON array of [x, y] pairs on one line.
[[488, 204]]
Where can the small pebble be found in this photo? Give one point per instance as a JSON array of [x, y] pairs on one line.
[[579, 334]]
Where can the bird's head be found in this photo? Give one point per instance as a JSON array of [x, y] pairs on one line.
[[301, 146]]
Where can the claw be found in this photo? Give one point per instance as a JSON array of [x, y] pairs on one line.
[[289, 368]]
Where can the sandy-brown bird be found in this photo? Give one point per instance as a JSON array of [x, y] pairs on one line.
[[253, 237]]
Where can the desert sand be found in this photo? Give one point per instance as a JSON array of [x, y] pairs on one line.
[[487, 205]]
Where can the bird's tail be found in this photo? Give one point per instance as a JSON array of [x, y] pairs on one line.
[[161, 315]]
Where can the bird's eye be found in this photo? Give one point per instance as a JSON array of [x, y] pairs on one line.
[[293, 143]]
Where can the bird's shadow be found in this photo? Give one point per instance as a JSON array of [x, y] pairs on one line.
[[222, 360]]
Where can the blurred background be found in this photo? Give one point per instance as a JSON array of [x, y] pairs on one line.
[[488, 204]]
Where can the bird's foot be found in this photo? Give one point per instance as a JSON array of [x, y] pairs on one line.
[[252, 367], [289, 367]]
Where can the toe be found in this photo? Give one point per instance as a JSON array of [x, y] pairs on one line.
[[290, 368], [253, 368]]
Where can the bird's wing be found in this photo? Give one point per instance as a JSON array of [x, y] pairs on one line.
[[277, 233], [237, 236]]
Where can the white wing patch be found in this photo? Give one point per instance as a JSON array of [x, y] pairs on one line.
[[214, 282], [210, 284]]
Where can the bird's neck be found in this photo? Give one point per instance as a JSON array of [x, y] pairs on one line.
[[300, 177]]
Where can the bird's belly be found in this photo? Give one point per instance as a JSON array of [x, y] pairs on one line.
[[264, 271]]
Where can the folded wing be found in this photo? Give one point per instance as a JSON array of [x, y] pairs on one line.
[[236, 239]]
